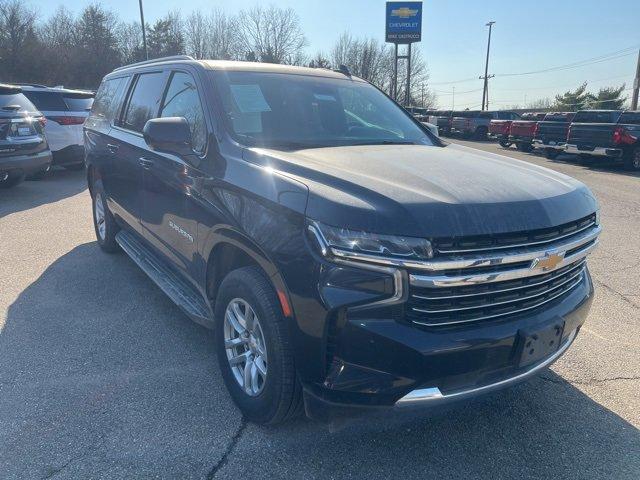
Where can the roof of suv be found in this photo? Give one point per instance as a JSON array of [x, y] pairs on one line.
[[237, 66], [39, 88]]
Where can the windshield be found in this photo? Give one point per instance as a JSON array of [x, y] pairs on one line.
[[297, 111]]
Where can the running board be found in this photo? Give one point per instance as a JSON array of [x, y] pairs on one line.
[[183, 294]]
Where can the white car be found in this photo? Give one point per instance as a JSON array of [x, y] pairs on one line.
[[65, 111]]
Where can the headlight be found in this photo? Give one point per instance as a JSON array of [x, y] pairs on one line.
[[358, 242]]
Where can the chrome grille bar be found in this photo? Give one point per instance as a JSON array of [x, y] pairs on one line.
[[580, 267], [506, 302]]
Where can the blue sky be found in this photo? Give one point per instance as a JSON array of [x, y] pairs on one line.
[[527, 36]]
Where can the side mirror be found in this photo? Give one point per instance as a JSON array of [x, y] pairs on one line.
[[169, 135]]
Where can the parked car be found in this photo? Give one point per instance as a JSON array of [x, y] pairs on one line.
[[23, 147], [606, 134], [65, 110], [476, 123], [550, 135], [522, 131], [441, 119], [342, 253]]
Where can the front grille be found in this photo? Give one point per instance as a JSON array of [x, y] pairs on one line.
[[446, 306], [484, 278]]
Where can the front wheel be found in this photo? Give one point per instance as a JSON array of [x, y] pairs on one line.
[[254, 350], [504, 143], [632, 160]]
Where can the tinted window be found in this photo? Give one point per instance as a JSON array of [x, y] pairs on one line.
[[551, 117], [17, 99], [182, 100], [596, 117], [297, 111], [144, 100], [630, 118], [47, 101], [78, 103], [107, 101]]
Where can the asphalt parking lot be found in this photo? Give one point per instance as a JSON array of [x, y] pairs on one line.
[[101, 376]]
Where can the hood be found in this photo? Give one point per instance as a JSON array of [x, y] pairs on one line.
[[427, 191]]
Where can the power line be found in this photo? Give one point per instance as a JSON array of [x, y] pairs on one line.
[[590, 61]]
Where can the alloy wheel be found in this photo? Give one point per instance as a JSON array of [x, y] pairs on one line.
[[245, 346]]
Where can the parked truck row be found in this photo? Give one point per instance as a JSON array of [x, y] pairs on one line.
[[611, 134]]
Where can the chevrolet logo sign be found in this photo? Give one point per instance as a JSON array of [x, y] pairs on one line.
[[403, 12], [550, 261]]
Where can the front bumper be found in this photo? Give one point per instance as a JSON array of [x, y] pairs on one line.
[[597, 151], [538, 143], [382, 360], [27, 164]]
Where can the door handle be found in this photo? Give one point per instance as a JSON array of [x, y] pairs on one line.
[[112, 148], [145, 162]]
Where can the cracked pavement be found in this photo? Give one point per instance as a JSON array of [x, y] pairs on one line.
[[101, 376]]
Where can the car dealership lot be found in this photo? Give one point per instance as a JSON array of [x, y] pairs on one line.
[[102, 376]]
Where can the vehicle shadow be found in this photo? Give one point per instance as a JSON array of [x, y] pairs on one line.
[[59, 184], [102, 373]]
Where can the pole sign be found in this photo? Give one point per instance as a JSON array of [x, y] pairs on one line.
[[403, 22]]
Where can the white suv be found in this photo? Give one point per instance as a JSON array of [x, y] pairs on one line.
[[65, 110]]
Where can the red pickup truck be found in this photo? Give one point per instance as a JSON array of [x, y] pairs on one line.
[[500, 129], [522, 131]]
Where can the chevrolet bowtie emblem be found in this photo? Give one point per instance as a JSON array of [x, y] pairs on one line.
[[550, 261], [404, 12]]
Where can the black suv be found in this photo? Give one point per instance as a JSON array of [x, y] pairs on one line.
[[341, 252], [23, 147]]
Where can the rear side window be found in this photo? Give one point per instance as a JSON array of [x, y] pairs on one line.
[[596, 117], [144, 100], [78, 103], [106, 103], [47, 101], [8, 101], [182, 100], [630, 118]]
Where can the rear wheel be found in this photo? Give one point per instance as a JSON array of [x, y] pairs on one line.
[[40, 174], [104, 224], [550, 153], [632, 160], [481, 133], [524, 147], [253, 348], [10, 179]]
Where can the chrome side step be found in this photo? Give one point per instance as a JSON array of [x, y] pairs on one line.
[[433, 395], [183, 294]]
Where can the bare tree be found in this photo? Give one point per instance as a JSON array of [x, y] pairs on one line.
[[130, 42], [320, 61], [272, 34], [223, 40], [195, 34], [366, 58], [166, 36], [421, 94]]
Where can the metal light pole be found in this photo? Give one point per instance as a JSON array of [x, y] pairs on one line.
[[636, 86], [486, 68], [144, 33]]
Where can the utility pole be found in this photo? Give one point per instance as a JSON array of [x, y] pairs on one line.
[[144, 33], [453, 98], [407, 96], [486, 69], [636, 86]]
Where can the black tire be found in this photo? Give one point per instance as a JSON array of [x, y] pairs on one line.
[[504, 143], [281, 395], [551, 153], [39, 175], [74, 167], [524, 147], [106, 241], [481, 133], [13, 179], [632, 160]]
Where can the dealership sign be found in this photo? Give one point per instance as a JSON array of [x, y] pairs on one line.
[[404, 22]]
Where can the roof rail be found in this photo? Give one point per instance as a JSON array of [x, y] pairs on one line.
[[156, 60], [26, 84]]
